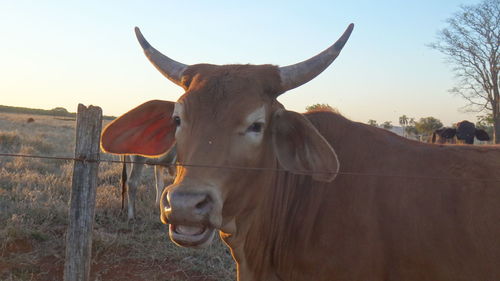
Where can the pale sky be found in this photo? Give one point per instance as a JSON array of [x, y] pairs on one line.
[[61, 53]]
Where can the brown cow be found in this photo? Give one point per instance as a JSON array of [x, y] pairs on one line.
[[313, 196]]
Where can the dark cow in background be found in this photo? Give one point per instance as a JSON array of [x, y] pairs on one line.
[[133, 166], [443, 135], [464, 132], [315, 196]]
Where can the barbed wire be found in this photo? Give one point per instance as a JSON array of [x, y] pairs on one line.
[[155, 163]]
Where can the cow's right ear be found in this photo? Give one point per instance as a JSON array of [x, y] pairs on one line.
[[301, 149], [482, 135], [448, 133], [145, 130]]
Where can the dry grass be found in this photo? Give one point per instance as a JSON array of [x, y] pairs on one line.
[[34, 196]]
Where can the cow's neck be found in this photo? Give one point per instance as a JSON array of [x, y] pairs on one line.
[[271, 237]]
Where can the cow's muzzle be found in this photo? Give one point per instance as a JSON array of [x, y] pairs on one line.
[[194, 214]]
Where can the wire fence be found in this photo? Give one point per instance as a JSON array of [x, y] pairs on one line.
[[153, 163], [85, 174]]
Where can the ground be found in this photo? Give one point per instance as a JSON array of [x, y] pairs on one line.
[[112, 265], [34, 196]]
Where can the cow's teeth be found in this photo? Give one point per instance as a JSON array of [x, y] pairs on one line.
[[189, 230]]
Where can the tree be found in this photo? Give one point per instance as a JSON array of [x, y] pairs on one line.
[[485, 122], [471, 43], [403, 122], [373, 123], [387, 125], [59, 110], [321, 107], [410, 128], [426, 126]]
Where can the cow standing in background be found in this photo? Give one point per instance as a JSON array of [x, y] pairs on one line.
[[443, 135], [464, 133], [131, 179], [315, 196]]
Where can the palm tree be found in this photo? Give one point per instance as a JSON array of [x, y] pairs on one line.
[[403, 121]]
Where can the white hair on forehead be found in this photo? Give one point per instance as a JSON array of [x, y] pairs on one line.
[[258, 115], [178, 109]]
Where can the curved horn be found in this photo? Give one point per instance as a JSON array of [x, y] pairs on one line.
[[295, 75], [168, 67]]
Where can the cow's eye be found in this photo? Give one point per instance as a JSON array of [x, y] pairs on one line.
[[177, 121], [255, 127]]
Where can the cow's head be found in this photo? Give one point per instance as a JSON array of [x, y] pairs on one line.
[[466, 131], [230, 134]]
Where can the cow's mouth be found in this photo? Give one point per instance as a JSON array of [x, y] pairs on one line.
[[191, 236]]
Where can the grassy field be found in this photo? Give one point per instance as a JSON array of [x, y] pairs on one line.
[[34, 196]]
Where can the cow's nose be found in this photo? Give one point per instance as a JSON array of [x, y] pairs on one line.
[[179, 207]]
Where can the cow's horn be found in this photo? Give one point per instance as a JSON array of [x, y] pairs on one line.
[[295, 75], [168, 67]]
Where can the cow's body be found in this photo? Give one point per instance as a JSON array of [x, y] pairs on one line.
[[133, 166], [392, 216], [315, 196], [443, 136]]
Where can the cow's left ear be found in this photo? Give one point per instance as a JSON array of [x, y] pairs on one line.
[[301, 149], [482, 135], [145, 130]]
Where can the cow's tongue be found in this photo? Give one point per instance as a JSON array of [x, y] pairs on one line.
[[189, 230]]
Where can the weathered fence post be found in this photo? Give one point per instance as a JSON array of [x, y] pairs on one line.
[[83, 192]]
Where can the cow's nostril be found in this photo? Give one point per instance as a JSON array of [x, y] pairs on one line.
[[203, 205]]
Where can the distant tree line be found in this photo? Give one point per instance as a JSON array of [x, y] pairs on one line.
[[420, 129], [57, 111], [427, 125], [424, 126]]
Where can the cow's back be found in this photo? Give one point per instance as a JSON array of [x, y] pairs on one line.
[[404, 210]]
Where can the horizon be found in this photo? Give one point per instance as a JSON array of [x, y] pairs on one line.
[[62, 54]]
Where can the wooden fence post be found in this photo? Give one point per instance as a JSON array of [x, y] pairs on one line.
[[83, 192]]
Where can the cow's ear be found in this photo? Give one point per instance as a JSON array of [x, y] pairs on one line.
[[448, 133], [146, 130], [482, 135], [301, 149]]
